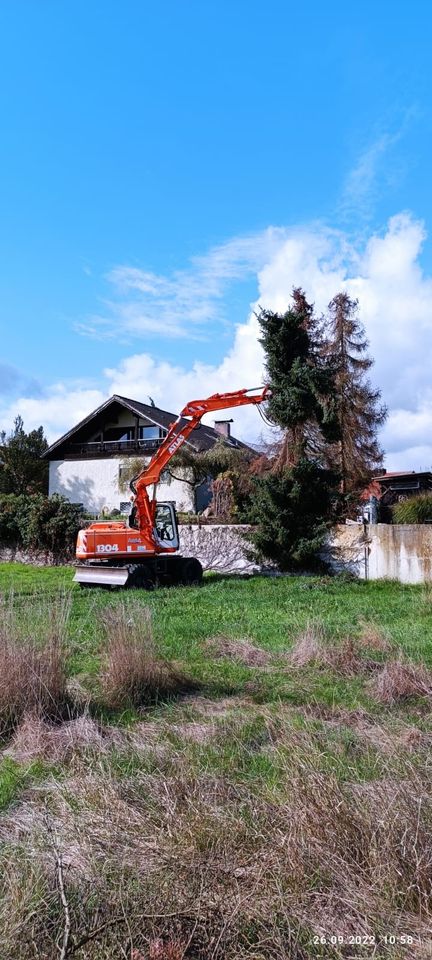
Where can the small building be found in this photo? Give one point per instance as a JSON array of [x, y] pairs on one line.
[[86, 463], [394, 487]]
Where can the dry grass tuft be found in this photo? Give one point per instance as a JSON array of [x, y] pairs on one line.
[[194, 731], [31, 680], [312, 647], [32, 660], [242, 651], [225, 706], [32, 673], [400, 680], [132, 672], [309, 647], [196, 861]]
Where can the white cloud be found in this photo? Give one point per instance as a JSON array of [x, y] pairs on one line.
[[370, 172], [185, 302], [396, 306], [59, 408]]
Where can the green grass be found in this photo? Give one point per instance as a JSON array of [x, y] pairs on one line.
[[243, 744], [271, 612], [14, 777]]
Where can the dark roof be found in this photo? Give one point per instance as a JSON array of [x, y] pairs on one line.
[[402, 474], [395, 480], [201, 439]]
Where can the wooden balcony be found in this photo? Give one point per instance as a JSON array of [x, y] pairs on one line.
[[112, 448]]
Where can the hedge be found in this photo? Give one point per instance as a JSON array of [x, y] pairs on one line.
[[36, 522]]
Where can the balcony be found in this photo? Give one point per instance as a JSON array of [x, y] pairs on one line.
[[112, 448]]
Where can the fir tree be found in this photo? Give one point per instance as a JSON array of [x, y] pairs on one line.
[[292, 504], [359, 411], [21, 468], [292, 508], [301, 378]]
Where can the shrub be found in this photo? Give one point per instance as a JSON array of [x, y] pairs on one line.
[[40, 523], [11, 508], [415, 510], [132, 672], [292, 509], [51, 523]]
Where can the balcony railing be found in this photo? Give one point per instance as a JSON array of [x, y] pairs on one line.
[[108, 448]]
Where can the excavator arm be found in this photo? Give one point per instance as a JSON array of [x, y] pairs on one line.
[[178, 433]]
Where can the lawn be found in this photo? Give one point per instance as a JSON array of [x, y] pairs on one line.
[[272, 802]]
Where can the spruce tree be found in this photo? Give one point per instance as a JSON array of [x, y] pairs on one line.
[[293, 503], [301, 378], [21, 468], [359, 411]]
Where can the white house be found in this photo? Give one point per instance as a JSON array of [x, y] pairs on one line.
[[85, 464]]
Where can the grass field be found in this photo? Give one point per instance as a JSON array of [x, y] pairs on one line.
[[268, 797]]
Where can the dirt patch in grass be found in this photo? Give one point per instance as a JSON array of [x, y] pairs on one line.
[[241, 651]]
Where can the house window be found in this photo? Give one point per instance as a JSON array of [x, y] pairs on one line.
[[125, 507], [150, 433], [119, 434]]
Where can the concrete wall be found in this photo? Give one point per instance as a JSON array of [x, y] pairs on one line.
[[218, 547], [382, 551], [377, 551], [94, 483]]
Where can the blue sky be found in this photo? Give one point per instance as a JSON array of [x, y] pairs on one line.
[[164, 165]]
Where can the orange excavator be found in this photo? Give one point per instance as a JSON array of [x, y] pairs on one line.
[[143, 550]]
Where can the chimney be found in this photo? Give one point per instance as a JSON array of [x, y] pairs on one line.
[[223, 427]]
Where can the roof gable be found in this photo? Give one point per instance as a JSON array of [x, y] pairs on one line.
[[202, 437]]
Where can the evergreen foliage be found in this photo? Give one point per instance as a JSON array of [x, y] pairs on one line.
[[292, 503], [291, 508], [359, 411], [301, 378], [40, 523], [21, 468]]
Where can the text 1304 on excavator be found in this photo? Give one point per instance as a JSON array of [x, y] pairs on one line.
[[143, 551]]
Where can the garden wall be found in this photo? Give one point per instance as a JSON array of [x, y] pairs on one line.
[[375, 551], [381, 551], [219, 547]]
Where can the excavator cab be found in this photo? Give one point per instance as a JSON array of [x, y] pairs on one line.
[[166, 525]]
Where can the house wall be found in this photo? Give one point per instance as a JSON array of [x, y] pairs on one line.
[[94, 483]]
